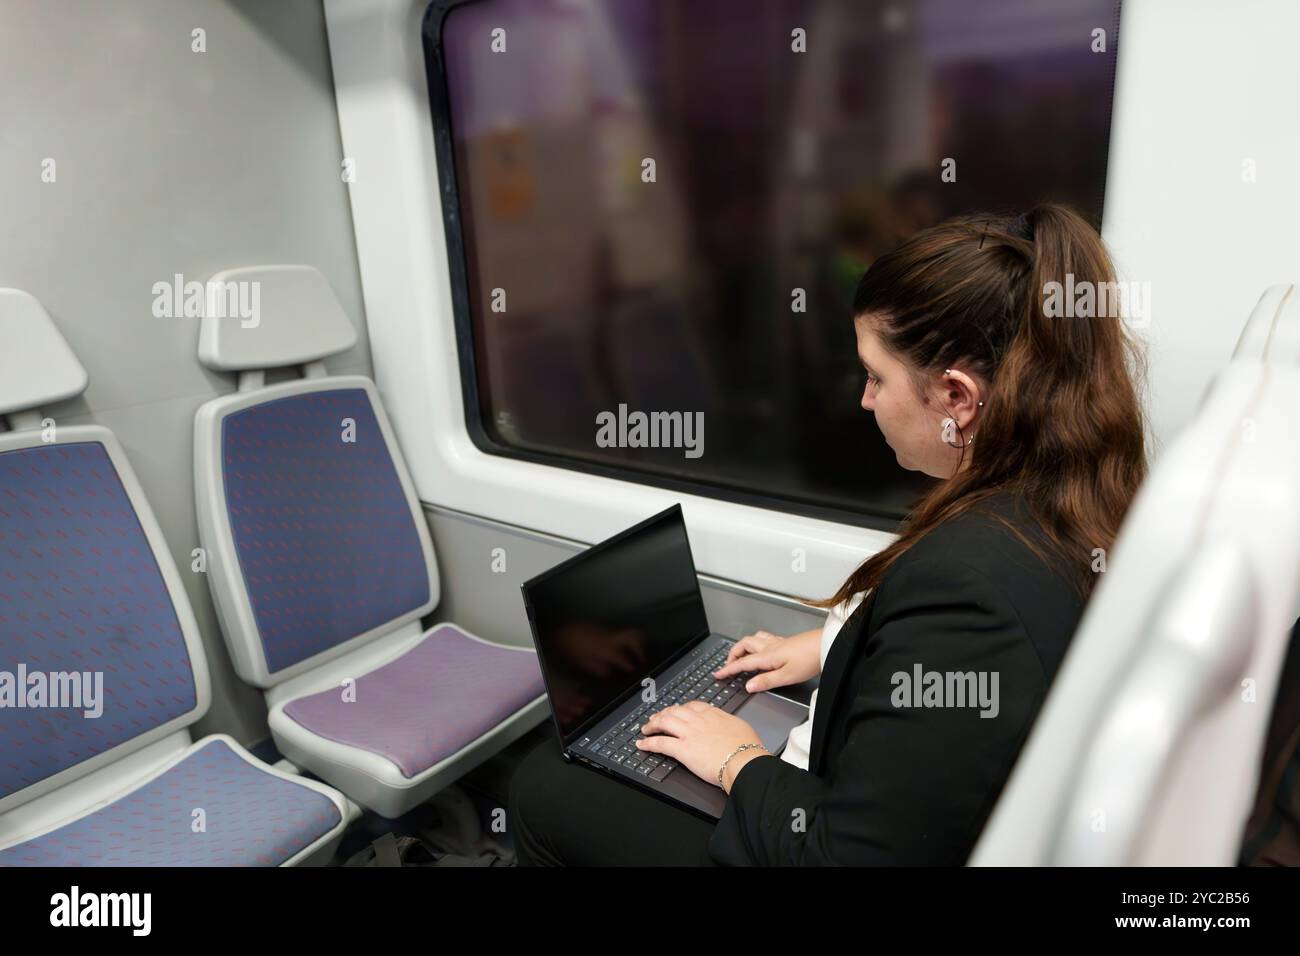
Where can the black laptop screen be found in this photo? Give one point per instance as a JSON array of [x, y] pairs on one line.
[[610, 617]]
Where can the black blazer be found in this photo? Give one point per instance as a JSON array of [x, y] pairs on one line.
[[893, 784]]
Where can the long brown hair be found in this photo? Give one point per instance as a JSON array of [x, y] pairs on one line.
[[1062, 427]]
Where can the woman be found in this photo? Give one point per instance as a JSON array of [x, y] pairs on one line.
[[932, 683]]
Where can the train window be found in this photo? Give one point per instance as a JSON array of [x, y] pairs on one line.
[[657, 211]]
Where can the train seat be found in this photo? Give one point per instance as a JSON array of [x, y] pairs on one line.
[[102, 670], [1150, 743], [1272, 335], [322, 567]]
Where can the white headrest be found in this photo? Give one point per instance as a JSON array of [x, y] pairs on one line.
[[268, 316], [1272, 333], [36, 365]]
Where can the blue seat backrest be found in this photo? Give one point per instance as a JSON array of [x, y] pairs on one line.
[[324, 534], [81, 594]]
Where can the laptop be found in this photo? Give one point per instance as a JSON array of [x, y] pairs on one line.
[[621, 633]]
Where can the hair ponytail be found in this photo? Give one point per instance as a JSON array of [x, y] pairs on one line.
[[1062, 426]]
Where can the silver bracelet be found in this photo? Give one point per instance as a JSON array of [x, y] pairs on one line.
[[740, 749]]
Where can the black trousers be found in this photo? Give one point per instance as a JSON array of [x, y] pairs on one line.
[[563, 814]]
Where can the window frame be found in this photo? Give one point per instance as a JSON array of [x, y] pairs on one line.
[[462, 317], [432, 26]]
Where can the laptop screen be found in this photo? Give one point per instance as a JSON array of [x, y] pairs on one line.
[[613, 615]]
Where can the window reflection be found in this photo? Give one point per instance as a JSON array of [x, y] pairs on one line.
[[591, 288]]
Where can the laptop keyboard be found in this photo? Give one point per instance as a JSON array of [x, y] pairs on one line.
[[694, 683]]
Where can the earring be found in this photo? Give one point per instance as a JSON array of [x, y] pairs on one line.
[[950, 427], [949, 432]]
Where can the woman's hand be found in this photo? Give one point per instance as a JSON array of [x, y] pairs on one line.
[[699, 737], [782, 661]]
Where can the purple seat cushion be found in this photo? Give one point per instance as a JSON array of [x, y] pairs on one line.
[[252, 818], [422, 707]]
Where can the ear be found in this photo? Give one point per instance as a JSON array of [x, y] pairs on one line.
[[960, 395]]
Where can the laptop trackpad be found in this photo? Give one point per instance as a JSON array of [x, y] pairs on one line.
[[773, 718]]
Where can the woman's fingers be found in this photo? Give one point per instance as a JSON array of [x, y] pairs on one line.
[[753, 644], [747, 654], [753, 662], [667, 721], [673, 720], [664, 731], [662, 744], [746, 645], [765, 681]]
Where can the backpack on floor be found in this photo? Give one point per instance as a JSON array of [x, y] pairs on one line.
[[393, 850], [447, 831]]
